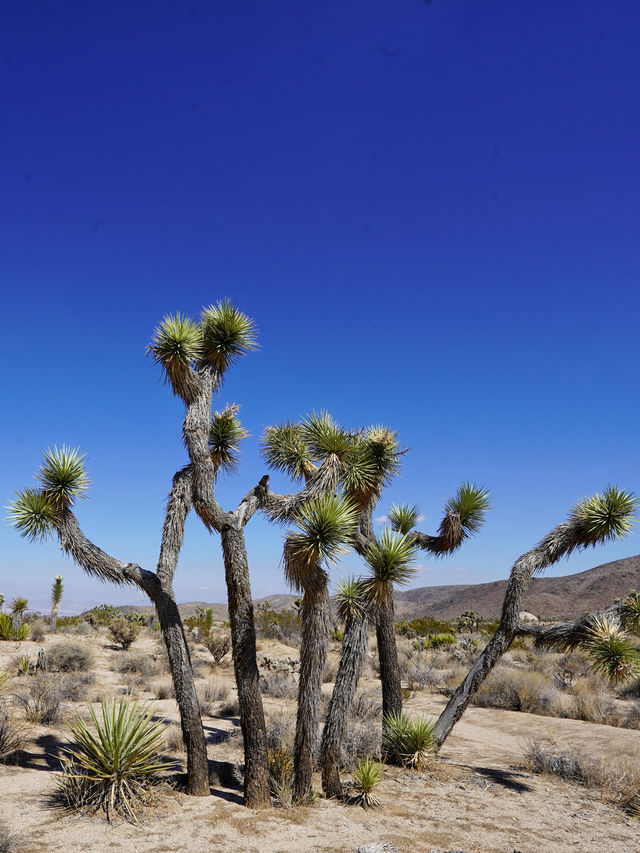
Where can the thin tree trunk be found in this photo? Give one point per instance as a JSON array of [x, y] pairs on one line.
[[186, 697], [54, 618], [562, 540], [388, 656], [354, 647], [313, 656], [243, 641]]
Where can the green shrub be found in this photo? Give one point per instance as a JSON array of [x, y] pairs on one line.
[[124, 632], [11, 629], [409, 741], [277, 624], [218, 646], [421, 627], [113, 767], [11, 739], [103, 614], [69, 656], [367, 777]]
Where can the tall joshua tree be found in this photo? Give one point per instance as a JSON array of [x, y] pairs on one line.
[[601, 518], [324, 526], [48, 508], [56, 598]]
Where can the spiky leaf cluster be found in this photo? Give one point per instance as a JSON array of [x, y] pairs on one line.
[[390, 559], [225, 434], [283, 448], [324, 527], [176, 346], [367, 777], [63, 479], [403, 517], [410, 741], [63, 476], [611, 651], [57, 588], [351, 601], [604, 517], [227, 334], [471, 503], [631, 611]]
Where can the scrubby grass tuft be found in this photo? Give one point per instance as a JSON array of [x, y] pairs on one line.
[[67, 656]]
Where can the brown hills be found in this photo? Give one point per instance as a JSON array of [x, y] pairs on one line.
[[566, 596]]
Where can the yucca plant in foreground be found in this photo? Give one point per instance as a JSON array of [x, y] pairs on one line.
[[409, 741], [367, 777], [114, 767]]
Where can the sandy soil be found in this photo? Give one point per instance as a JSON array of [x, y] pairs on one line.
[[479, 801]]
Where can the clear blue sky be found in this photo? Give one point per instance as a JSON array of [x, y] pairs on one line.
[[429, 208]]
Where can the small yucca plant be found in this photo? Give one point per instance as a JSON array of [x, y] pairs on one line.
[[113, 767], [612, 652], [367, 776], [408, 740]]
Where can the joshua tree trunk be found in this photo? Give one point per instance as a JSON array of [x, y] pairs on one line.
[[354, 646], [186, 698], [313, 656], [243, 640], [388, 656]]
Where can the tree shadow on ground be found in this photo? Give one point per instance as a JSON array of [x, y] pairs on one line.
[[48, 755], [507, 778]]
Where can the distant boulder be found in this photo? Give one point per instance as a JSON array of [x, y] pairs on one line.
[[523, 616]]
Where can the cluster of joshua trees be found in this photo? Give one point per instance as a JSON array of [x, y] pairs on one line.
[[339, 474]]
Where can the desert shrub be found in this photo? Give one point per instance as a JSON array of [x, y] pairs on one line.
[[279, 685], [218, 646], [82, 628], [444, 638], [38, 630], [214, 691], [281, 729], [41, 698], [74, 686], [616, 776], [12, 629], [103, 615], [206, 709], [361, 738], [281, 771], [136, 663], [173, 738], [9, 843], [422, 627], [518, 690], [366, 705], [590, 702], [11, 739], [329, 672], [124, 632], [67, 656], [367, 777], [165, 690], [409, 741], [277, 624], [113, 768], [419, 672], [230, 708]]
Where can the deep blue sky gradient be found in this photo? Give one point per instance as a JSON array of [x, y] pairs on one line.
[[430, 209]]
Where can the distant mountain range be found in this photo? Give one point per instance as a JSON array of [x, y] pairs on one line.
[[565, 596]]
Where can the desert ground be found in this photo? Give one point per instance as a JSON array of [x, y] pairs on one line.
[[477, 798]]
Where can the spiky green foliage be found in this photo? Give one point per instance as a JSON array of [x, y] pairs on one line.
[[176, 346], [19, 606], [367, 777], [324, 527], [384, 452], [351, 601], [227, 334], [408, 740], [113, 766], [283, 448], [631, 612], [605, 517], [63, 476], [57, 589], [10, 631], [324, 437], [471, 503], [5, 678], [611, 651], [391, 559], [403, 517], [33, 514], [225, 434]]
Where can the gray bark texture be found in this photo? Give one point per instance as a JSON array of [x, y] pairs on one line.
[[243, 640], [388, 655], [313, 656], [354, 648], [561, 541]]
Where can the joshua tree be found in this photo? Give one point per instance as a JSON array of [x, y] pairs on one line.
[[601, 518], [56, 598], [18, 607], [324, 525], [354, 611], [38, 512]]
